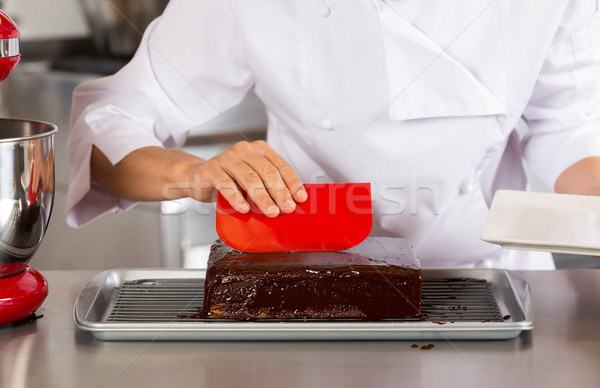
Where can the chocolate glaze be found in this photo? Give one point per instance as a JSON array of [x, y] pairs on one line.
[[379, 278]]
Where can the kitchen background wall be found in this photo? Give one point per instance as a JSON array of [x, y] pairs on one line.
[[56, 48], [54, 34], [47, 20]]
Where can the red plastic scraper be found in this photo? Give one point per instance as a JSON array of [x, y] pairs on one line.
[[336, 216]]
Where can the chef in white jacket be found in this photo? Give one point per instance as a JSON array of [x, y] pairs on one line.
[[420, 98]]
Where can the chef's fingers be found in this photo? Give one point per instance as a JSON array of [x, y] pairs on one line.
[[259, 178], [271, 176], [210, 177], [254, 167], [287, 173]]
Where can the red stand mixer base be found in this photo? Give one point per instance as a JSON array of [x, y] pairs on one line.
[[21, 295], [22, 288]]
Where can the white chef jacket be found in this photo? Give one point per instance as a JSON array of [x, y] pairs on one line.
[[420, 98]]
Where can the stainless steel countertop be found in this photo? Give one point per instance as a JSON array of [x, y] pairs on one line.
[[562, 350]]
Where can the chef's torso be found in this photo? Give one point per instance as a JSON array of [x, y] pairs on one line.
[[413, 101], [420, 98]]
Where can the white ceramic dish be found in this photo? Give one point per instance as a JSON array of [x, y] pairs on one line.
[[561, 223]]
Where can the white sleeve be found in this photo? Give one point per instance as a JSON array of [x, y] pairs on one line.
[[188, 69], [564, 111]]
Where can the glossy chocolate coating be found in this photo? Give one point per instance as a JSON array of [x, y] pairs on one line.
[[379, 278]]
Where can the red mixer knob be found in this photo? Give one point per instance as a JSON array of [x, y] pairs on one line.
[[9, 45]]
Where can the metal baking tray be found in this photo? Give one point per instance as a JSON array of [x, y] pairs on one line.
[[164, 304]]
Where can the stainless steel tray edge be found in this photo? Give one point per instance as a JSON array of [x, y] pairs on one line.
[[511, 291]]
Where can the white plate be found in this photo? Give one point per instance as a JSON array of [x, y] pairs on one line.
[[561, 223]]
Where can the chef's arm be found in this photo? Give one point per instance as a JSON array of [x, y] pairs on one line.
[[582, 177], [155, 173]]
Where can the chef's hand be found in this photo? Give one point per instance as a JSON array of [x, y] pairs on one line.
[[155, 173], [255, 168], [583, 177]]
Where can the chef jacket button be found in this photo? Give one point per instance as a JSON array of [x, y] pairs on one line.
[[467, 187], [487, 263], [324, 10], [327, 124]]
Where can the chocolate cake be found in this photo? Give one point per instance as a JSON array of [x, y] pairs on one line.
[[379, 278]]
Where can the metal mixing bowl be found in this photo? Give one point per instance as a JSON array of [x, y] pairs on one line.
[[117, 25], [26, 189]]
